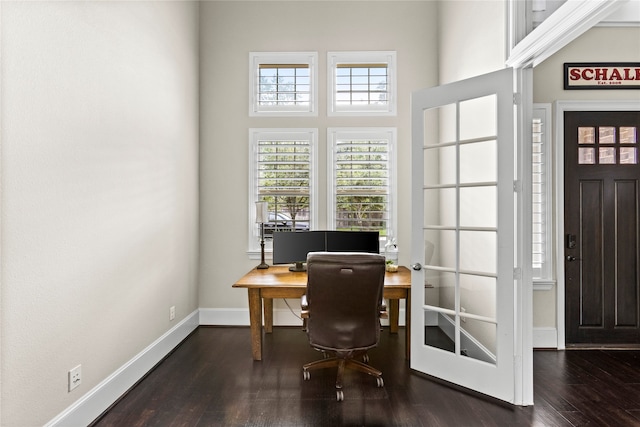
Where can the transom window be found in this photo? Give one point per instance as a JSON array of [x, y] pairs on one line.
[[361, 83], [283, 84]]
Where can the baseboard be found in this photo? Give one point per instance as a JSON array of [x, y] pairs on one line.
[[90, 406], [542, 337], [240, 317], [96, 401], [545, 338]]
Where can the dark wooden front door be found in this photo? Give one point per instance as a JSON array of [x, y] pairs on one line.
[[602, 174]]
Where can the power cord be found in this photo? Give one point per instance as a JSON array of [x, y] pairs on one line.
[[291, 309]]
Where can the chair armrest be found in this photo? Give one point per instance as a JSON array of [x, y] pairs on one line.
[[383, 309], [304, 305]]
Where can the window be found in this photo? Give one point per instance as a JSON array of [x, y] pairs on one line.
[[283, 84], [283, 173], [362, 166], [613, 145], [541, 193], [361, 83]]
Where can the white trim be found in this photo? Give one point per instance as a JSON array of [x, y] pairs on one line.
[[257, 58], [284, 134], [224, 316], [362, 57], [566, 24], [1, 217], [240, 316], [545, 338], [546, 272], [281, 316], [627, 16], [560, 108], [389, 133], [543, 285], [97, 400], [523, 84], [93, 404]]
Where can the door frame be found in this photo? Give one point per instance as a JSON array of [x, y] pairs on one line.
[[560, 108]]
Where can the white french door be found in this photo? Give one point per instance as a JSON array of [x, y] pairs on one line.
[[462, 252]]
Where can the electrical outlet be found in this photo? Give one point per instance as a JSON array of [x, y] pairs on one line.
[[172, 312], [75, 377]]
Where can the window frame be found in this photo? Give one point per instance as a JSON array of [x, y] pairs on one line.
[[334, 134], [334, 59], [255, 136], [543, 275], [256, 59]]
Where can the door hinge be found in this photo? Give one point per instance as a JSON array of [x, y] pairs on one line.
[[517, 273], [517, 98], [517, 186]]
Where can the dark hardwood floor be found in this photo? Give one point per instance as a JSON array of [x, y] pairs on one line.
[[211, 380]]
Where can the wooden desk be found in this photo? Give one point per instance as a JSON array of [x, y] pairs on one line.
[[278, 282]]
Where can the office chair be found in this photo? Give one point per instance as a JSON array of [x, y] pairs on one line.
[[342, 310]]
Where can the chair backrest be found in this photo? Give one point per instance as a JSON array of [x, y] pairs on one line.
[[344, 291]]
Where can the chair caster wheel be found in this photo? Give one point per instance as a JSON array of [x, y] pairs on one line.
[[380, 382], [306, 375], [339, 395]]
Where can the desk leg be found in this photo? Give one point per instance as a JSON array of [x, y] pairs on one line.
[[407, 322], [268, 314], [255, 321], [394, 315]]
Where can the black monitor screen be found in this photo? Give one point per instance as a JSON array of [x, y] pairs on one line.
[[293, 247], [353, 241]]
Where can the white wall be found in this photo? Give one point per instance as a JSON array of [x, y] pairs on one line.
[[472, 38], [472, 42], [600, 44], [232, 30], [99, 191]]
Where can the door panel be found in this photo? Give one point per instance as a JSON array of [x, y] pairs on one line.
[[462, 228], [602, 280], [626, 259], [592, 244]]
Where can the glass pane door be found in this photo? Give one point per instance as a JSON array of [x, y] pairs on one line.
[[463, 234]]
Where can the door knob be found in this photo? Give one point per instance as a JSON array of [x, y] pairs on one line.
[[571, 258], [417, 266]]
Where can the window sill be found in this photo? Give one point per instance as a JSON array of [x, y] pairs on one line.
[[543, 284], [257, 255]]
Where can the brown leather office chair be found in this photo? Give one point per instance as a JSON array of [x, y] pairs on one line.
[[342, 309]]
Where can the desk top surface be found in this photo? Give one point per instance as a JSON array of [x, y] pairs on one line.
[[280, 276]]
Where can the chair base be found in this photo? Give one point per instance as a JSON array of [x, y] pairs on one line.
[[341, 363]]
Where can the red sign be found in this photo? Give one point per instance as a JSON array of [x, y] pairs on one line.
[[609, 75]]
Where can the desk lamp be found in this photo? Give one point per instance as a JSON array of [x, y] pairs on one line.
[[262, 216]]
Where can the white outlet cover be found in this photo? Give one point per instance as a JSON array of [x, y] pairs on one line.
[[75, 377]]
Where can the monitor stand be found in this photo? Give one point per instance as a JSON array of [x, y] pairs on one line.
[[298, 267]]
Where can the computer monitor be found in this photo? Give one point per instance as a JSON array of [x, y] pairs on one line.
[[290, 247], [353, 241]]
